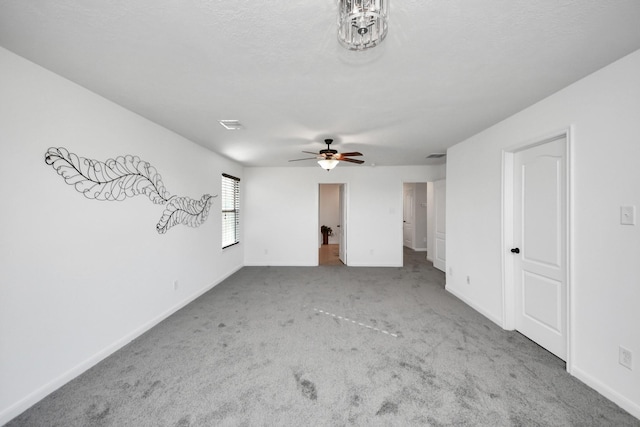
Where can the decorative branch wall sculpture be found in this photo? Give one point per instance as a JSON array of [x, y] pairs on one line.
[[127, 176]]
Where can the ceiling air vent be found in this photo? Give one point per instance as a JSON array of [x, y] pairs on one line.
[[230, 124], [436, 155]]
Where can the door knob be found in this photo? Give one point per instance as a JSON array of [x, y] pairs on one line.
[[515, 250]]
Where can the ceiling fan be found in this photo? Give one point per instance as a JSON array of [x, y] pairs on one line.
[[329, 158]]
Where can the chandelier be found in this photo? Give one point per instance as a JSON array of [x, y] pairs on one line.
[[362, 24]]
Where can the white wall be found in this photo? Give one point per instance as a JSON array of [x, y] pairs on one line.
[[79, 277], [330, 210], [286, 199], [603, 112]]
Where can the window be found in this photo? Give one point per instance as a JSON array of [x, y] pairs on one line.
[[230, 210]]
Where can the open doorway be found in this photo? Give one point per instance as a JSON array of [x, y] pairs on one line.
[[415, 220], [332, 220], [423, 222]]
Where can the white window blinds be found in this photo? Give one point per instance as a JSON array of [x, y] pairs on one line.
[[230, 210]]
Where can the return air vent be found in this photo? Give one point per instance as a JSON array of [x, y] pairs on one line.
[[231, 124], [436, 155]]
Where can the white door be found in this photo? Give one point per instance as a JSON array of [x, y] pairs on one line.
[[342, 248], [408, 215], [539, 249], [439, 241]]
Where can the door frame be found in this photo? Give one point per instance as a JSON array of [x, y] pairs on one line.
[[343, 214], [508, 271], [404, 212], [439, 237]]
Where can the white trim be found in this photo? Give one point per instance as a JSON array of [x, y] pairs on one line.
[[619, 399], [317, 227], [508, 310], [473, 305], [345, 209], [281, 264], [440, 264], [401, 234], [34, 397], [374, 265], [571, 333]]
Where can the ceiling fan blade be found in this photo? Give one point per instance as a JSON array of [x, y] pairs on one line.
[[307, 158], [310, 152], [346, 159], [355, 153]]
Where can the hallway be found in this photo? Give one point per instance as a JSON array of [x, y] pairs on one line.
[[329, 255]]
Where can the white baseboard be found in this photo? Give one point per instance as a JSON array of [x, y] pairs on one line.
[[416, 249], [372, 265], [631, 407], [280, 264], [474, 306], [34, 397]]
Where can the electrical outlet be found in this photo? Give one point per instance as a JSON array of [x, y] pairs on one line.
[[175, 285], [626, 358], [468, 280]]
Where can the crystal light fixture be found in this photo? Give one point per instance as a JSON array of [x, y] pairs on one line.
[[362, 24], [328, 164]]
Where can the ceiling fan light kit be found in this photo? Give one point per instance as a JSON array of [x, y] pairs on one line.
[[328, 164], [362, 24]]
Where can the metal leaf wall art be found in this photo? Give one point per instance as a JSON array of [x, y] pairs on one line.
[[127, 176]]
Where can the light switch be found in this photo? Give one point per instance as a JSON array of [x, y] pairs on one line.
[[628, 215]]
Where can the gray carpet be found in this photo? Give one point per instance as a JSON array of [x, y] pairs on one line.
[[328, 346]]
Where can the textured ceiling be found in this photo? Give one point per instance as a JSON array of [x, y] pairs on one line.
[[447, 69]]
